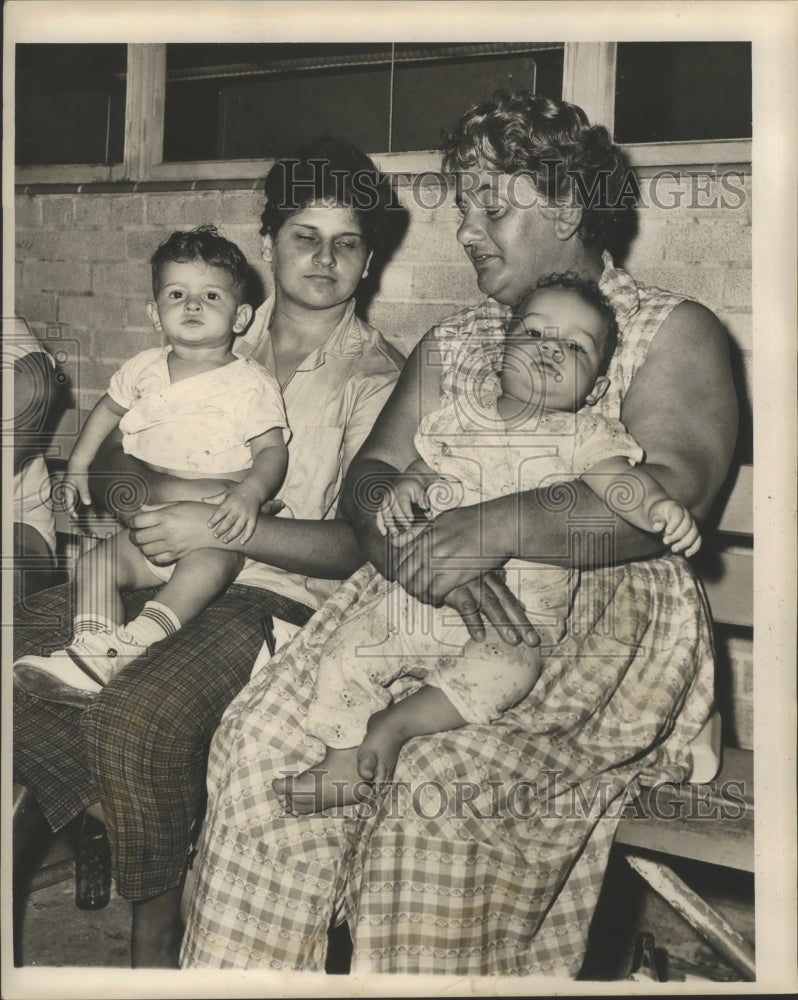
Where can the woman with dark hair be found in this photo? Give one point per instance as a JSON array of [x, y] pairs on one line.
[[141, 746], [486, 853]]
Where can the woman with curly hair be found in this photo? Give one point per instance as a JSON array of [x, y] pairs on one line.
[[486, 852]]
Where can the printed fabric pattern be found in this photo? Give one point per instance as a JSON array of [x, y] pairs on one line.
[[487, 853]]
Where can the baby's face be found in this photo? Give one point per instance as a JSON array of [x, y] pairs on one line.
[[198, 305], [553, 351]]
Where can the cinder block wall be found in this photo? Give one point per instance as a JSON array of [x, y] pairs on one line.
[[83, 279]]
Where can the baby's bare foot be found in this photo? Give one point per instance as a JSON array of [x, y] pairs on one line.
[[378, 753], [333, 782]]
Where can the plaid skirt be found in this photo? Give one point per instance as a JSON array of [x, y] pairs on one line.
[[140, 748], [486, 853]]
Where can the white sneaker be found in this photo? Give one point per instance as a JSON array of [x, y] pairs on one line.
[[75, 675]]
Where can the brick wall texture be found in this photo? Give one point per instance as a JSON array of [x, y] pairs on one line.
[[82, 279]]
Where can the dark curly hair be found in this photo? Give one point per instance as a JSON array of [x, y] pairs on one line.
[[591, 294], [203, 243], [553, 143], [331, 170]]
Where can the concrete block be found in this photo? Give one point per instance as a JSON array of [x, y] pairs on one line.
[[737, 288], [430, 243], [203, 209], [93, 210], [704, 284], [62, 276], [165, 210], [113, 346], [404, 323], [90, 244], [648, 247], [247, 239], [396, 282], [126, 210], [241, 206], [453, 283], [27, 210], [35, 306], [58, 211], [124, 279], [92, 312], [36, 244], [142, 243], [718, 242]]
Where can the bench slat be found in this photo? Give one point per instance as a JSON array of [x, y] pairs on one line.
[[713, 823]]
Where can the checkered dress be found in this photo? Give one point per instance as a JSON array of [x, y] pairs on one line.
[[487, 852]]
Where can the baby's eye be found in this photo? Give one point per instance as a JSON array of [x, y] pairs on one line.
[[175, 294], [531, 331], [213, 296], [576, 348]]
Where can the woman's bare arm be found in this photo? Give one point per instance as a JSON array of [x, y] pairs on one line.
[[681, 408]]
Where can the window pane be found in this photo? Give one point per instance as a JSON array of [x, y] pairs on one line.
[[431, 95], [257, 101], [682, 91], [70, 103]]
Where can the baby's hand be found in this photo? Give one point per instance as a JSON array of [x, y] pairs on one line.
[[236, 515], [396, 516], [74, 487], [678, 526]]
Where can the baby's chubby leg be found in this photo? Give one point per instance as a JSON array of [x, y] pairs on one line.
[[476, 686], [199, 578]]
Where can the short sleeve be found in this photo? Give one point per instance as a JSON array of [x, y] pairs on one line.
[[263, 408], [125, 385], [598, 438]]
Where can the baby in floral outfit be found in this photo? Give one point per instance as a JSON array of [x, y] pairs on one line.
[[528, 427], [191, 409]]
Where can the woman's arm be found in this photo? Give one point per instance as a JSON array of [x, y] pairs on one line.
[[681, 408], [324, 549], [390, 448]]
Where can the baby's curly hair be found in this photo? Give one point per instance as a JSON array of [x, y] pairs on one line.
[[591, 294], [203, 243], [553, 143]]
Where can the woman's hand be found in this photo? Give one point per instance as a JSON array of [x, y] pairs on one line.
[[453, 562], [169, 532]]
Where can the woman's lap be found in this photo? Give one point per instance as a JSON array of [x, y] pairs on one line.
[[145, 737], [463, 848]]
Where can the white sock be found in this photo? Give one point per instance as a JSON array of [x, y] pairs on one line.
[[155, 622], [91, 624]]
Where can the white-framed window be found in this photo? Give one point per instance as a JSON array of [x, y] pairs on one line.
[[198, 112]]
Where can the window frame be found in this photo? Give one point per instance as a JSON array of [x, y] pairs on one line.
[[588, 80]]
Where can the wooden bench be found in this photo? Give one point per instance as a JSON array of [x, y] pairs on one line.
[[712, 822]]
